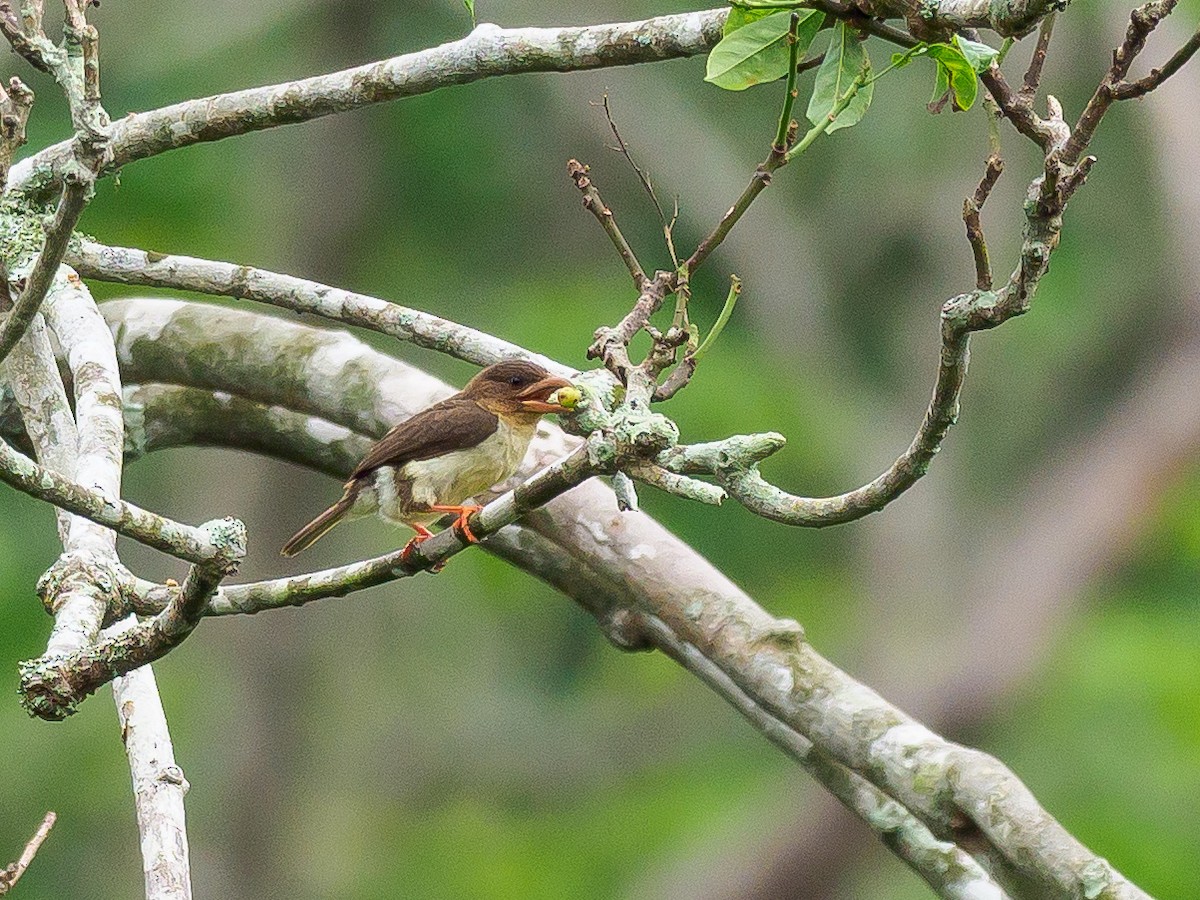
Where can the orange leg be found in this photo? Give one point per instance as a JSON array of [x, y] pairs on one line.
[[464, 513], [423, 534]]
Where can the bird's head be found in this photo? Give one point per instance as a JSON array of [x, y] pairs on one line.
[[516, 387]]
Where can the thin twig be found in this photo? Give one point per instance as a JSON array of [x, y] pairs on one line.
[[1142, 21], [11, 875], [1033, 75], [785, 115], [668, 225], [971, 209], [593, 204], [1128, 90]]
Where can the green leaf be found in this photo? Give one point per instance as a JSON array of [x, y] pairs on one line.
[[739, 16], [845, 59], [955, 72], [980, 56], [470, 5], [757, 52], [941, 85]]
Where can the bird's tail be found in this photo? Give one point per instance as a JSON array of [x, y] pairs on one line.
[[315, 530]]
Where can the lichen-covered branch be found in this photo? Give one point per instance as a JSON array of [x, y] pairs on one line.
[[159, 785], [44, 412], [45, 267], [963, 796], [130, 266], [52, 687], [486, 52], [87, 579], [183, 541], [78, 588]]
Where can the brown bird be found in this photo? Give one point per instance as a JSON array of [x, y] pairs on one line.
[[428, 465]]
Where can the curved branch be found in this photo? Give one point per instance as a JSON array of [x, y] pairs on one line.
[[963, 795], [177, 416], [486, 52], [129, 266]]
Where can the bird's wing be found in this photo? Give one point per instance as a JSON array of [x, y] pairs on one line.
[[453, 424]]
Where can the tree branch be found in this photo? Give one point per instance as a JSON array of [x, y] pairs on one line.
[[45, 268], [1142, 21], [81, 586], [486, 52], [52, 687], [1128, 90], [129, 266], [10, 875], [963, 796], [158, 782]]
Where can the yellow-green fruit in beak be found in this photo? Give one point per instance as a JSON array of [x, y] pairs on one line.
[[567, 397]]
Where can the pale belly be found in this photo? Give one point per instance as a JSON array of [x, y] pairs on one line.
[[405, 495]]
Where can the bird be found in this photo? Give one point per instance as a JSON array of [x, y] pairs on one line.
[[426, 466]]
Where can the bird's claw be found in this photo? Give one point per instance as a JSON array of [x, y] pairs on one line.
[[406, 555], [462, 524]]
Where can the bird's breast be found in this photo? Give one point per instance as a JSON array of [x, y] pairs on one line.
[[451, 478]]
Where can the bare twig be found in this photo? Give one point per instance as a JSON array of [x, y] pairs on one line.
[[1142, 21], [593, 204], [971, 209], [1127, 90], [643, 176], [1033, 75], [12, 874]]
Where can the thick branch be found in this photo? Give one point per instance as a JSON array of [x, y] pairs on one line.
[[964, 796], [486, 52], [83, 584]]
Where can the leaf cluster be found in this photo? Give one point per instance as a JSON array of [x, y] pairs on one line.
[[757, 49]]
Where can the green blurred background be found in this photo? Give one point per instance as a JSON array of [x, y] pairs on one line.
[[472, 735]]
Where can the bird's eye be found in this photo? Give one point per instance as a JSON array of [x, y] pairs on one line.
[[515, 380]]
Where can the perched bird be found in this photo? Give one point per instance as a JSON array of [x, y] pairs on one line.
[[428, 465]]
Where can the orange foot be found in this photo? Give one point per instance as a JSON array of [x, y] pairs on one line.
[[423, 534], [460, 524]]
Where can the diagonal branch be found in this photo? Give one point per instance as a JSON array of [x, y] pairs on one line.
[[129, 266], [12, 873], [962, 795], [486, 52], [45, 268], [1142, 21]]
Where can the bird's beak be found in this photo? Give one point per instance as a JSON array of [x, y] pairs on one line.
[[534, 398]]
